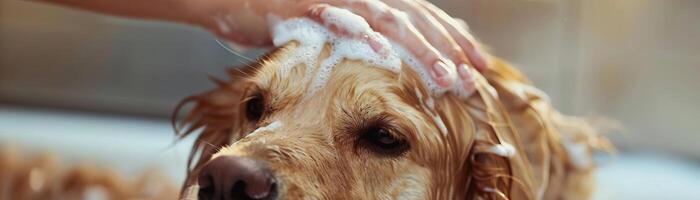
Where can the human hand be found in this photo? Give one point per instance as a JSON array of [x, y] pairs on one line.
[[441, 43]]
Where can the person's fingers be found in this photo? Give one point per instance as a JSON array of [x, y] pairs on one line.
[[436, 34], [463, 68], [395, 25], [466, 75], [459, 32], [428, 33], [431, 29], [345, 23]]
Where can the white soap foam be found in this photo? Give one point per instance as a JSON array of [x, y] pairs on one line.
[[504, 149], [346, 20], [312, 37], [270, 127], [358, 42], [578, 153]]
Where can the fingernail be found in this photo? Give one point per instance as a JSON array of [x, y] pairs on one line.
[[467, 75], [439, 70], [463, 71], [442, 75]]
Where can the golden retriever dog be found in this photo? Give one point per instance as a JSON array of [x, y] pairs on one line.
[[375, 134]]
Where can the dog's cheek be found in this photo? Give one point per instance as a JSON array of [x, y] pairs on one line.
[[412, 184], [296, 187], [307, 169], [309, 179]]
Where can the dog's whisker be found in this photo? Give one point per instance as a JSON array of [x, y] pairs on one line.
[[212, 145], [242, 72], [232, 51], [238, 72]]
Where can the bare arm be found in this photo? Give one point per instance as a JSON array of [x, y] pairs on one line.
[[167, 10], [245, 20], [424, 29]]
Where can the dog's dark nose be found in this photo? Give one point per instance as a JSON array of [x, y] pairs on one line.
[[233, 177]]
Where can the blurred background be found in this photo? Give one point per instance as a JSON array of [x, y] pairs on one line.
[[98, 88]]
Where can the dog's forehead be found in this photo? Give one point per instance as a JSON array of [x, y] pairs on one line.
[[348, 78]]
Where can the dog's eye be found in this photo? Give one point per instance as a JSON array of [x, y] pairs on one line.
[[254, 108], [380, 141]]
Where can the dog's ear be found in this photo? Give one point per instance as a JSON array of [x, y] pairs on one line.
[[508, 110], [499, 164], [475, 125], [490, 175]]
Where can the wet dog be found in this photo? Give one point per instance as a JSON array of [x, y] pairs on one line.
[[374, 134]]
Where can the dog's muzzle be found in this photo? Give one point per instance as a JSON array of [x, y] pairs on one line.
[[234, 177]]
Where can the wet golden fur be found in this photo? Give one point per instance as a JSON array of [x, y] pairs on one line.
[[27, 177], [315, 153]]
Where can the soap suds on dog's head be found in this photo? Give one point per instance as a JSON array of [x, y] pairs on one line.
[[371, 48], [312, 37]]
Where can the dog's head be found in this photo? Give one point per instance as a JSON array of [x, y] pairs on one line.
[[370, 133]]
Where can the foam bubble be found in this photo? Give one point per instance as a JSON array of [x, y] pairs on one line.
[[362, 44], [270, 127], [312, 37], [337, 17], [578, 153], [504, 149]]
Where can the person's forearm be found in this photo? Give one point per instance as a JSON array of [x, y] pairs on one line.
[[168, 10], [240, 20]]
